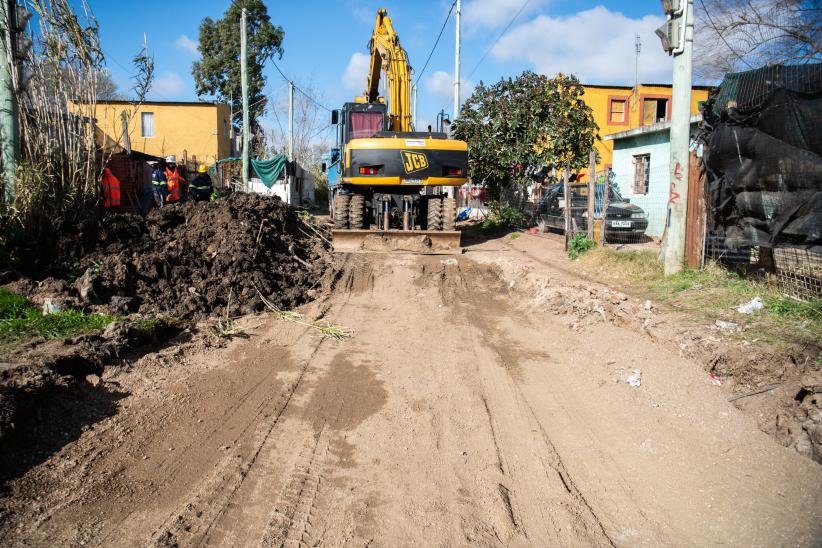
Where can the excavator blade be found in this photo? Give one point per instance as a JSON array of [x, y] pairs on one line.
[[427, 242]]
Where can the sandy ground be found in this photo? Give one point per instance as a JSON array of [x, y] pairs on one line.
[[461, 412]]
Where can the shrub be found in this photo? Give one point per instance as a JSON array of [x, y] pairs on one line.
[[579, 245]]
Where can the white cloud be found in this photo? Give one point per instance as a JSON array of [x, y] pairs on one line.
[[355, 76], [187, 44], [597, 45], [479, 14], [168, 84], [440, 84]]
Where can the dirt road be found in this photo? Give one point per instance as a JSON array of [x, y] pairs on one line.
[[458, 414]]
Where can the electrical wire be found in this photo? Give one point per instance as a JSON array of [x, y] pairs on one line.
[[437, 41], [508, 26], [290, 81]]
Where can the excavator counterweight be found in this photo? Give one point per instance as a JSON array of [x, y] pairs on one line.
[[386, 180]]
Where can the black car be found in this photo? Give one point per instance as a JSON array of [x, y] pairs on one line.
[[623, 218]]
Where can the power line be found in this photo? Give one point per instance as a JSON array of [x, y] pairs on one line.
[[425, 66], [508, 26], [713, 26], [289, 80]]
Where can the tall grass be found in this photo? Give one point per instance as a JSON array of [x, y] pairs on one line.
[[715, 293], [57, 86]]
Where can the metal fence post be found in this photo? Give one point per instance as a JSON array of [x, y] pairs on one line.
[[566, 191]]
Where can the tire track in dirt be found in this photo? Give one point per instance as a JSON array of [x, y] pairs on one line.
[[201, 513], [512, 419], [295, 514]]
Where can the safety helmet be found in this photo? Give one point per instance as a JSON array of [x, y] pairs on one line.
[[171, 159], [202, 169]]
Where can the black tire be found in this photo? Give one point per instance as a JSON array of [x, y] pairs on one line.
[[449, 214], [356, 211], [434, 218], [341, 208]]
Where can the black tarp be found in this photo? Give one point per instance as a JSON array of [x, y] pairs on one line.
[[764, 159]]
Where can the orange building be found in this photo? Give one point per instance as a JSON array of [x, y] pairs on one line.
[[619, 108]]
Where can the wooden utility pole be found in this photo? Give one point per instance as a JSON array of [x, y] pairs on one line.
[[244, 78], [592, 191]]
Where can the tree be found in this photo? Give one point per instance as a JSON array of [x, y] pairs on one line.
[[735, 35], [519, 124], [217, 73], [312, 126]]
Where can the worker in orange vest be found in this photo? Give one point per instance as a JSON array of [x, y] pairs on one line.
[[174, 180], [111, 189]]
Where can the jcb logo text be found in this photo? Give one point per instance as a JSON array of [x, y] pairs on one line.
[[413, 161]]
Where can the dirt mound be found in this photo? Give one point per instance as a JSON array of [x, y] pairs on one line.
[[195, 259]]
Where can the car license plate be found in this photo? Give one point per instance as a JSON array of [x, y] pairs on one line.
[[412, 181], [621, 224]]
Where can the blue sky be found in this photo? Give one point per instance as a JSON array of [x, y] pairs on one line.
[[325, 43]]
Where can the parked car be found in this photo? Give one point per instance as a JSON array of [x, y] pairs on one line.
[[623, 219]]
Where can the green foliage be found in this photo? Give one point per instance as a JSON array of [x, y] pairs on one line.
[[579, 245], [515, 235], [714, 293], [217, 73], [19, 320], [505, 217], [520, 123]]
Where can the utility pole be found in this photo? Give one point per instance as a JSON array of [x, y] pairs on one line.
[[290, 178], [457, 64], [414, 112], [451, 191], [9, 123], [678, 37], [231, 122], [290, 121], [244, 78]]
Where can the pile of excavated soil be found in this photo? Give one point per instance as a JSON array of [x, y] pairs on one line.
[[194, 260]]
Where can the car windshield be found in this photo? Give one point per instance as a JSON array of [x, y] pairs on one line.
[[580, 192], [615, 195]]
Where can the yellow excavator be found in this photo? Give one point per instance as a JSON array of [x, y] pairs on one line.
[[386, 180]]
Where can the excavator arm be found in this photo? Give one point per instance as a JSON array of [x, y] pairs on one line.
[[387, 54]]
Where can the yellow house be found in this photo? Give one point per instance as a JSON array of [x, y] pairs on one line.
[[195, 132], [619, 108]]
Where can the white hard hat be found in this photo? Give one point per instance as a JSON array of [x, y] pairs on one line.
[[171, 159]]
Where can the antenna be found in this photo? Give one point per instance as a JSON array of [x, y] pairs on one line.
[[637, 49]]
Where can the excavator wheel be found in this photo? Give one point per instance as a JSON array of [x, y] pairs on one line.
[[449, 214], [356, 211], [434, 213], [341, 210]]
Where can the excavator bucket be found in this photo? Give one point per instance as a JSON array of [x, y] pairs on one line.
[[426, 242]]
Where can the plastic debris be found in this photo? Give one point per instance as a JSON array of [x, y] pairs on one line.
[[648, 305], [716, 381], [722, 324], [635, 378], [751, 306], [50, 308]]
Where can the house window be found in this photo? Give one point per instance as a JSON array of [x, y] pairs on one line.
[[617, 111], [642, 173], [147, 123], [654, 110]]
